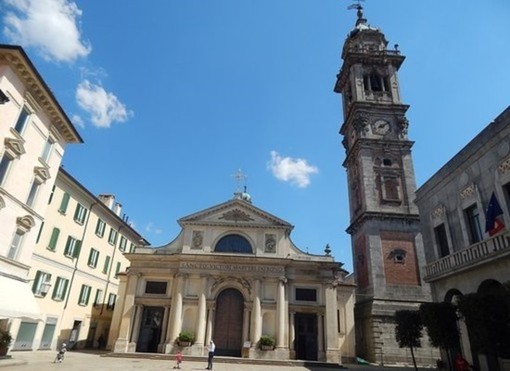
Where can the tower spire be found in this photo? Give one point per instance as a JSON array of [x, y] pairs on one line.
[[359, 12]]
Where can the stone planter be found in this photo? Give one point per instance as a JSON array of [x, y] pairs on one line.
[[184, 343], [266, 347]]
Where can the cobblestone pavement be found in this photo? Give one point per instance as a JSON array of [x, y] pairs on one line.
[[77, 361]]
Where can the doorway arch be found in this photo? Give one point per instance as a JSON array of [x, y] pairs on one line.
[[228, 323]]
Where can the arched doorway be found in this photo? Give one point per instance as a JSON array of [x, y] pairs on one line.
[[228, 323]]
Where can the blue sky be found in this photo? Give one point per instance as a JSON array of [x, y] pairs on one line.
[[173, 97]]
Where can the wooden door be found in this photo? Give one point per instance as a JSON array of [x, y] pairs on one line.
[[306, 336], [228, 323]]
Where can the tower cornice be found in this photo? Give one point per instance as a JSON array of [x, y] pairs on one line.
[[363, 217], [398, 146]]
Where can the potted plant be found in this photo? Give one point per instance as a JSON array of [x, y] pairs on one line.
[[5, 341], [185, 338], [266, 342]]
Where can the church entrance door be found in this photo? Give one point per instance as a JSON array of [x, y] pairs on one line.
[[228, 323], [306, 336], [150, 330]]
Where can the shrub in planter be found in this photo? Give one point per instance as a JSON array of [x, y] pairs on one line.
[[5, 341], [266, 342], [185, 338]]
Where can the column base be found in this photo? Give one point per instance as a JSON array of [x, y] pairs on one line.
[[124, 346]]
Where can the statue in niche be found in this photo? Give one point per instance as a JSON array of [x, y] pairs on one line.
[[197, 239], [270, 245]]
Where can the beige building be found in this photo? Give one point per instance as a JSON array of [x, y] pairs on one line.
[[465, 213], [79, 253], [234, 275], [34, 132]]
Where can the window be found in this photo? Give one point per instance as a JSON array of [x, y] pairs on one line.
[[106, 265], [60, 289], [100, 227], [47, 149], [51, 195], [154, 287], [80, 214], [306, 294], [233, 243], [64, 203], [442, 240], [52, 245], [32, 194], [112, 238], [84, 295], [112, 298], [22, 120], [41, 284], [122, 243], [17, 240], [132, 248], [93, 258], [72, 249], [117, 269], [473, 221], [391, 191], [4, 167], [376, 83], [99, 298], [39, 233]]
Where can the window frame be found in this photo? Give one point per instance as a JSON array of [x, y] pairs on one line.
[[441, 239], [32, 194], [5, 166], [60, 289], [93, 258], [73, 247], [122, 243], [16, 244], [80, 214], [83, 298], [100, 227], [112, 299], [112, 237], [22, 122], [64, 203], [41, 278], [474, 226]]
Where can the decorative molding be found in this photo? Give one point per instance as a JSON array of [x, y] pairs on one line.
[[197, 239], [41, 174], [236, 215], [14, 147], [270, 244], [468, 192], [439, 212], [242, 281], [504, 166], [25, 223]]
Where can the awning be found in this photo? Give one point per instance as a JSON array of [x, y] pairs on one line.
[[17, 300]]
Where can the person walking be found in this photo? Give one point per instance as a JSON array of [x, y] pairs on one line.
[[211, 348]]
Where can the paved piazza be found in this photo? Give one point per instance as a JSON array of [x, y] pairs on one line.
[[77, 361]]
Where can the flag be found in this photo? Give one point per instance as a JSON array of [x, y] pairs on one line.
[[494, 217]]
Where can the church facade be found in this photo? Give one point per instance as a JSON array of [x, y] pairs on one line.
[[233, 275]]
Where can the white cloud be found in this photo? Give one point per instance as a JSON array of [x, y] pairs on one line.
[[294, 170], [49, 25], [78, 121], [103, 107], [151, 228]]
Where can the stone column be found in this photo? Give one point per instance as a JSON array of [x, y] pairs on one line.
[[201, 314], [256, 314], [164, 327], [280, 314], [331, 326], [174, 325], [246, 324], [136, 323], [292, 331], [210, 317], [125, 315], [320, 332]]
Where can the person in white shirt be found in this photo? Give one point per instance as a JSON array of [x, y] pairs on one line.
[[211, 348]]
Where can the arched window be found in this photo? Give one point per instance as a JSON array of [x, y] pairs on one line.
[[234, 243]]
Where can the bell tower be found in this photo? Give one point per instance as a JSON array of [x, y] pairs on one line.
[[384, 225]]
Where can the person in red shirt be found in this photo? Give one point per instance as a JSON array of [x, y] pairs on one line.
[[460, 363], [178, 359]]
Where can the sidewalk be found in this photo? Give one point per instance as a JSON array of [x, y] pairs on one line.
[[83, 361]]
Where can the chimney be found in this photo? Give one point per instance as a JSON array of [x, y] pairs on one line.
[[117, 208], [108, 200]]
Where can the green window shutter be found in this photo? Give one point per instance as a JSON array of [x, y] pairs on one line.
[[77, 248], [36, 281], [64, 203], [64, 291], [106, 264], [68, 245], [81, 294], [88, 294], [55, 289], [39, 233], [54, 238], [77, 211]]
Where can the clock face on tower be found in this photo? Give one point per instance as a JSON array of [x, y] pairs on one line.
[[381, 127]]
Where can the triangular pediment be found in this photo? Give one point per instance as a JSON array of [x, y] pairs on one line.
[[235, 213]]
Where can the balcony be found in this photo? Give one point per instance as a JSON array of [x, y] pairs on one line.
[[477, 254]]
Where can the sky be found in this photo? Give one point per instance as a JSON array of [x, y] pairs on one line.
[[172, 98]]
